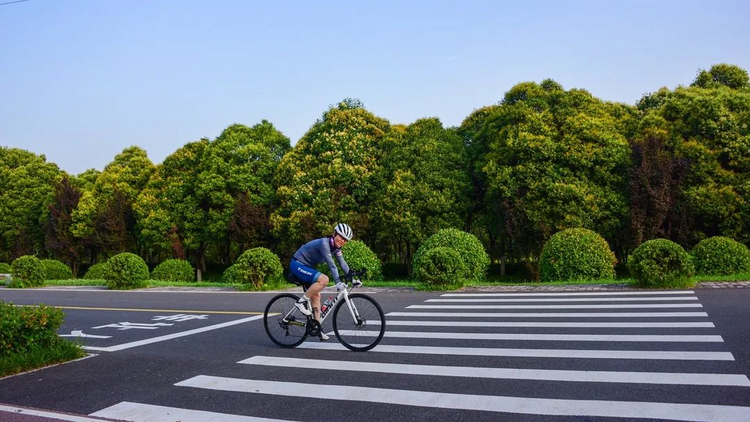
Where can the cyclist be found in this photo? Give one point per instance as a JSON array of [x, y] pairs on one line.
[[309, 256]]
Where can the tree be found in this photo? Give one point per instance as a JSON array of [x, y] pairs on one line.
[[328, 176], [27, 182], [723, 74], [59, 240]]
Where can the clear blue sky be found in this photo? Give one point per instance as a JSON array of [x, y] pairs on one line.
[[83, 79]]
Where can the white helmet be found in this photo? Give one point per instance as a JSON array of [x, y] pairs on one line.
[[344, 230]]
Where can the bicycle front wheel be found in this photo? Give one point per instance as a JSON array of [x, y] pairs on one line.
[[284, 323], [359, 324]]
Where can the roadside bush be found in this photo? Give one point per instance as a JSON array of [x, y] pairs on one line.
[[358, 256], [576, 254], [442, 267], [97, 272], [27, 271], [126, 271], [468, 247], [23, 327], [56, 270], [174, 270], [661, 263], [720, 255], [230, 275], [258, 267], [4, 268]]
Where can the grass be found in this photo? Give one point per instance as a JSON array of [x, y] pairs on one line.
[[60, 351]]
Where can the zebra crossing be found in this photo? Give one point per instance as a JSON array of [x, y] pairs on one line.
[[563, 350]]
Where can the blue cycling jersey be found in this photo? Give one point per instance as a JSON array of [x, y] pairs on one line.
[[318, 251]]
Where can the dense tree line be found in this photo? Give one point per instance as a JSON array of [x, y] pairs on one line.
[[675, 165]]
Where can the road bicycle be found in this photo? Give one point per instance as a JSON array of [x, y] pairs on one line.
[[358, 320]]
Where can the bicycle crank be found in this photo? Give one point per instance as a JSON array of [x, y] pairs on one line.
[[313, 327]]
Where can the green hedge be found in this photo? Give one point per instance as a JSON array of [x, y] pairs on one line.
[[56, 270], [468, 247], [24, 327], [5, 268], [720, 255], [661, 263], [97, 272], [575, 255], [442, 267], [27, 271], [126, 271], [174, 270], [258, 267]]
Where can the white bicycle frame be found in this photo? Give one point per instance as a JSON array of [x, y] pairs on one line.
[[341, 294]]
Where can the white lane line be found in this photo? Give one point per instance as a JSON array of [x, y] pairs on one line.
[[172, 336], [688, 292], [734, 380], [484, 403], [667, 338], [551, 314], [610, 306], [482, 324], [44, 414], [139, 412], [581, 299], [535, 353]]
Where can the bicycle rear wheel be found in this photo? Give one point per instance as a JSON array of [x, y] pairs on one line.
[[364, 329], [289, 332]]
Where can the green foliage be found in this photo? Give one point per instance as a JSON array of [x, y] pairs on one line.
[[576, 254], [468, 247], [258, 267], [661, 263], [441, 266], [174, 270], [720, 255], [723, 74], [358, 256], [230, 275], [4, 268], [27, 271], [24, 327], [56, 270], [97, 272], [126, 271]]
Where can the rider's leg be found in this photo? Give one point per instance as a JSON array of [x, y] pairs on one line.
[[313, 292]]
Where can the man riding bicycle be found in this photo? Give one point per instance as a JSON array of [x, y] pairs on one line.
[[309, 256]]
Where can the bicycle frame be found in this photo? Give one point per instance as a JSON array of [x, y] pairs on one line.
[[341, 294]]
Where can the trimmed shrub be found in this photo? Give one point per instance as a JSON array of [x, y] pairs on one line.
[[4, 268], [441, 267], [661, 263], [258, 267], [97, 272], [27, 271], [575, 255], [25, 327], [720, 255], [468, 247], [56, 270], [174, 270], [358, 256], [230, 275], [126, 271]]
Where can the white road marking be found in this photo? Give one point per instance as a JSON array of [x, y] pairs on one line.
[[139, 412], [44, 414], [667, 338], [550, 314], [172, 336], [688, 292], [738, 380], [535, 353], [484, 403], [610, 306], [580, 299], [481, 324], [80, 333]]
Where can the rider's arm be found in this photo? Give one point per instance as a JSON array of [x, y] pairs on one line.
[[331, 266], [342, 263]]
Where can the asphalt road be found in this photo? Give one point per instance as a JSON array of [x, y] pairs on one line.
[[528, 357]]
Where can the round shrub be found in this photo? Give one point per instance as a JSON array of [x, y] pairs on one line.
[[720, 255], [358, 256], [661, 263], [97, 272], [442, 266], [174, 270], [576, 254], [259, 267], [126, 271], [468, 247], [56, 270], [230, 275], [4, 268], [27, 271]]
